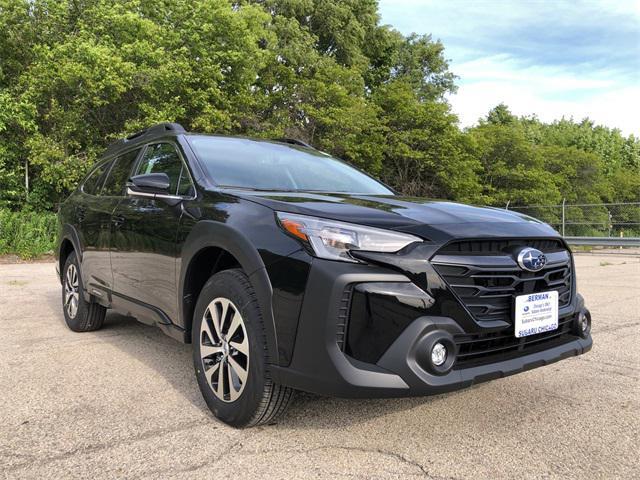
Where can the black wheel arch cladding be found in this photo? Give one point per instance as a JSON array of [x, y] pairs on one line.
[[206, 234]]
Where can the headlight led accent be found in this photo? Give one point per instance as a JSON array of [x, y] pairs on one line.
[[333, 240]]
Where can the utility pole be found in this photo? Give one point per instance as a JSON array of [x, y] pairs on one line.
[[564, 201], [26, 178]]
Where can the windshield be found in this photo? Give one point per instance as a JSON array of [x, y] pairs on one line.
[[262, 165]]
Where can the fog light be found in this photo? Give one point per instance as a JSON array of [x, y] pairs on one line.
[[438, 354], [583, 322]]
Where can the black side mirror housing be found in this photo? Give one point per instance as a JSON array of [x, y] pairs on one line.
[[155, 183]]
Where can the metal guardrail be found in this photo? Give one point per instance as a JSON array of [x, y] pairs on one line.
[[604, 241], [590, 224]]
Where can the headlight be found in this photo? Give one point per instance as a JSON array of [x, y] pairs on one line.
[[333, 240]]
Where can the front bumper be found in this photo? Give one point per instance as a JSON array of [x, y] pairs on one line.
[[319, 365]]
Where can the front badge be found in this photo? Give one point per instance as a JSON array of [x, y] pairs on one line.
[[531, 259]]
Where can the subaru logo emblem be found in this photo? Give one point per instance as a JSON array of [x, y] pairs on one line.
[[531, 259]]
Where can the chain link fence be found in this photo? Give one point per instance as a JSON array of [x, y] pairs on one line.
[[589, 220]]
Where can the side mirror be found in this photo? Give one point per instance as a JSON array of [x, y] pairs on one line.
[[149, 183]]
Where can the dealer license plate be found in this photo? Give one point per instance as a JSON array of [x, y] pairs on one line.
[[536, 313]]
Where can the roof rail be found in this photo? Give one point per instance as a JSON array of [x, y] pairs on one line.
[[155, 130], [293, 141]]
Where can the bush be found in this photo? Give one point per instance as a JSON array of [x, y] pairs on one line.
[[27, 233]]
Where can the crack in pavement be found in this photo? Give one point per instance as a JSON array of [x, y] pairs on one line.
[[423, 472], [196, 467], [104, 446], [615, 328], [601, 363]]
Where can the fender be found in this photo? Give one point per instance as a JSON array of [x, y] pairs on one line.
[[67, 232], [208, 233]]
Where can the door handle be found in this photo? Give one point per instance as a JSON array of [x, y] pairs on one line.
[[117, 220], [80, 213]]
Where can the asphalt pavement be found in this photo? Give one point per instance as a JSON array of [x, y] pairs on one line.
[[123, 403]]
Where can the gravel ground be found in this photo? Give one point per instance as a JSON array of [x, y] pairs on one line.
[[123, 402]]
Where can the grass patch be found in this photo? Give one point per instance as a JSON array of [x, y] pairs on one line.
[[27, 234]]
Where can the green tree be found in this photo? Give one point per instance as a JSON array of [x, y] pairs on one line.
[[424, 153], [76, 74], [94, 70], [577, 174], [587, 163], [513, 170]]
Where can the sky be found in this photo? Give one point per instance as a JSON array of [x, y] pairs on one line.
[[549, 58]]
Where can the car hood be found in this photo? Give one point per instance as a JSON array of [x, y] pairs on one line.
[[430, 219]]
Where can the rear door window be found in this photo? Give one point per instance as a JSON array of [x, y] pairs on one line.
[[115, 184]]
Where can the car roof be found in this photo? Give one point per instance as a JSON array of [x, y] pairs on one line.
[[174, 129]]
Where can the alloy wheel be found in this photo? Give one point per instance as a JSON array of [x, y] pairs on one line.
[[71, 291], [224, 349]]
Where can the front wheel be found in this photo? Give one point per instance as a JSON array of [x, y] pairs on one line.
[[230, 353]]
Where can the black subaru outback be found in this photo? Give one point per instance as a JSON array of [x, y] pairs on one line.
[[289, 269]]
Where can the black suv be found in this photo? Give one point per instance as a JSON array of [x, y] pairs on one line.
[[289, 269]]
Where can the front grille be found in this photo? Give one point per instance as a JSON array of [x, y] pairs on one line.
[[498, 247], [486, 277]]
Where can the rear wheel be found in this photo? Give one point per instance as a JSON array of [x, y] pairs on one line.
[[230, 354], [79, 315]]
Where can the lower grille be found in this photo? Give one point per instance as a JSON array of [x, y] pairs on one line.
[[479, 349], [343, 315]]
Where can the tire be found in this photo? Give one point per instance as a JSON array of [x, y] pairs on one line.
[[80, 315], [236, 386]]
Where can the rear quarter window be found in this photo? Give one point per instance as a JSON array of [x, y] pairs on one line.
[[114, 185], [95, 179]]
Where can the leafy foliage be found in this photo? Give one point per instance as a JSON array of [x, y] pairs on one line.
[[28, 234], [528, 162], [74, 75]]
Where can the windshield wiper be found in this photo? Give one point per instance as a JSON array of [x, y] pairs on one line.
[[254, 189], [287, 190]]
